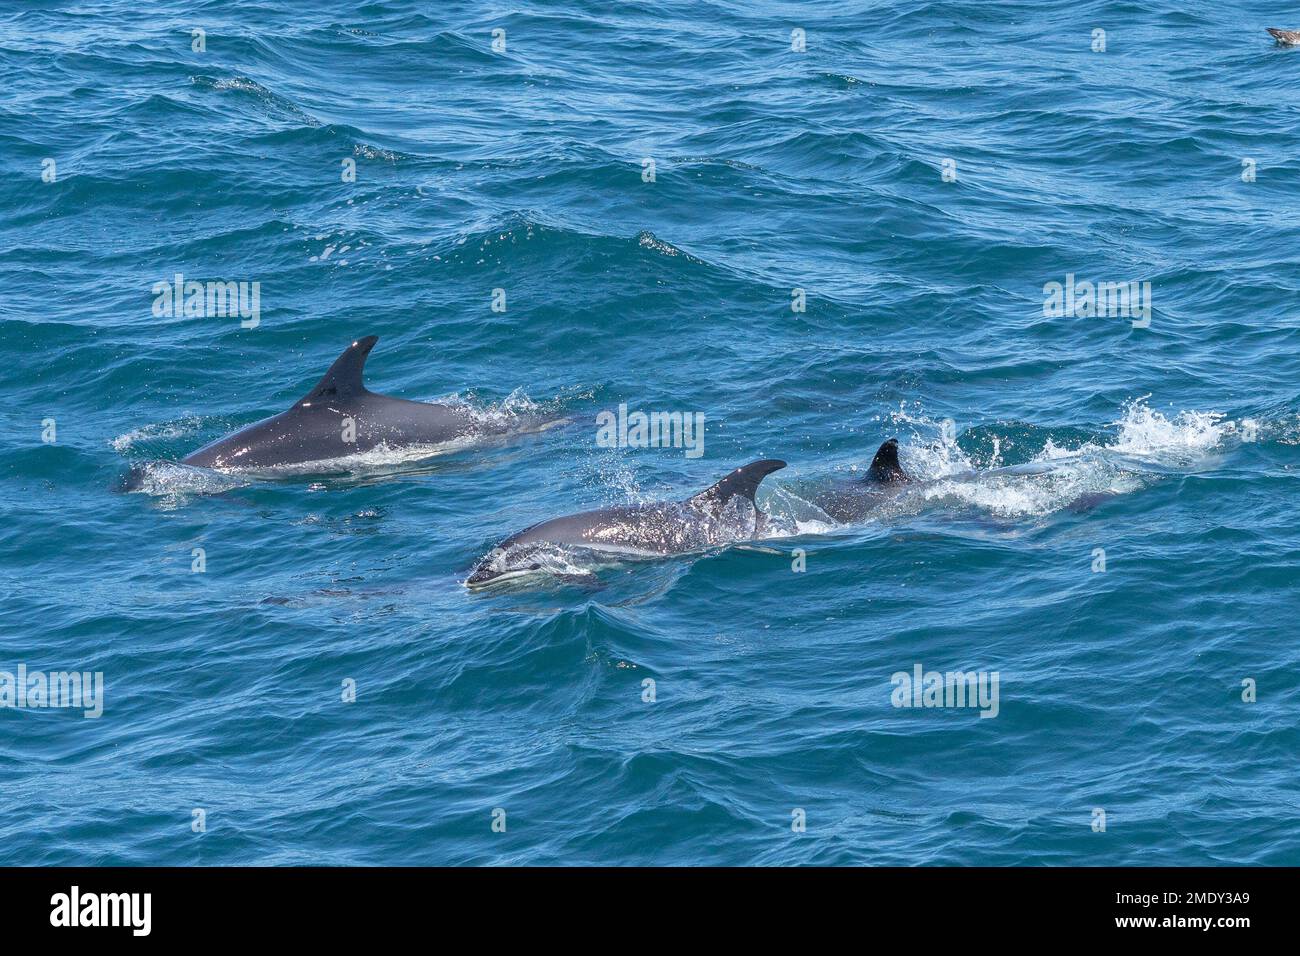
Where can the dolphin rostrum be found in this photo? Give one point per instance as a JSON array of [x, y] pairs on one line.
[[724, 513], [340, 417]]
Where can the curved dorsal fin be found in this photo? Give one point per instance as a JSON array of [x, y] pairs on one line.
[[743, 481], [343, 380], [885, 466]]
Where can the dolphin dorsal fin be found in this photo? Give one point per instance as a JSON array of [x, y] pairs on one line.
[[743, 481], [885, 466], [343, 380]]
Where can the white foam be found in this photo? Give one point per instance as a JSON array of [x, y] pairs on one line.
[[1182, 439], [174, 482], [1146, 443], [779, 526]]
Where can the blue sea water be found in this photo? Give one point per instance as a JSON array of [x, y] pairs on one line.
[[1171, 448]]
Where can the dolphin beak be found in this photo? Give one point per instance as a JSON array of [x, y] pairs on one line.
[[481, 576], [494, 569]]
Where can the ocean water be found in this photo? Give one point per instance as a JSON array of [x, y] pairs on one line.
[[1106, 515]]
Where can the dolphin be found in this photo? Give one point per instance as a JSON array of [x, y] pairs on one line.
[[885, 480], [1285, 37], [339, 417], [852, 500], [724, 513]]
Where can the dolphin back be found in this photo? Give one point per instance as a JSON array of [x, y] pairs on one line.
[[744, 481]]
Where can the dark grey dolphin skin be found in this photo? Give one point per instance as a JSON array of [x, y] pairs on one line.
[[664, 528], [1285, 37], [852, 500], [337, 418]]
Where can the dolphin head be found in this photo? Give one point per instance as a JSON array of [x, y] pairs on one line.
[[721, 514], [501, 564]]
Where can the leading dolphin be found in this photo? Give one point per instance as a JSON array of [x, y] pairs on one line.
[[721, 514], [339, 417]]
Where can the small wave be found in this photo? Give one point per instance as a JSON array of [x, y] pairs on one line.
[[160, 432], [517, 412], [241, 83], [648, 240], [244, 84], [841, 79], [366, 151], [715, 161]]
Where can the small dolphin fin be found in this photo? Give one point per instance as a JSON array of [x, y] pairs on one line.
[[885, 466], [343, 380], [743, 481]]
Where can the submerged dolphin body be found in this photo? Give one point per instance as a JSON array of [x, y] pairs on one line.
[[339, 417], [852, 500], [724, 513]]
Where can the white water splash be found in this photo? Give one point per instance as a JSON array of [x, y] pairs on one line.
[[516, 411], [1146, 443], [1182, 440], [162, 431], [1014, 496], [174, 482]]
